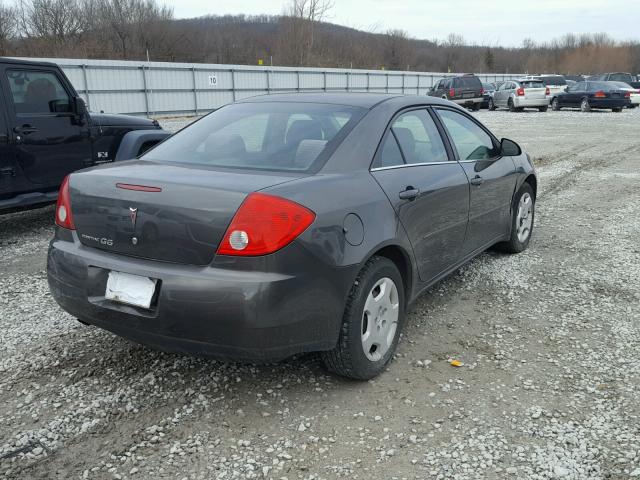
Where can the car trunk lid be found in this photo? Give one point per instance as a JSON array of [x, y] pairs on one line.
[[160, 211]]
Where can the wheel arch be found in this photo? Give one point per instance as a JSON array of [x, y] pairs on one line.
[[533, 182], [402, 260]]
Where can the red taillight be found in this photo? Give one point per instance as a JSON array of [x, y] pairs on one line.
[[600, 94], [627, 95], [482, 91], [520, 92], [264, 224], [452, 92], [64, 218], [547, 91]]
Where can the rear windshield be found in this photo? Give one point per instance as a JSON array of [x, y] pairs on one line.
[[621, 77], [468, 82], [606, 86], [269, 136], [553, 80], [532, 84], [621, 85]]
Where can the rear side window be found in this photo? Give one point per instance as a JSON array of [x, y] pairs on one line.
[[419, 139], [37, 92], [266, 135], [471, 141]]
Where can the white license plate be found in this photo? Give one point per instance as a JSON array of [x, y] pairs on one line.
[[130, 289]]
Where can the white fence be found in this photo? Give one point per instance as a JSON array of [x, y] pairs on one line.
[[158, 88]]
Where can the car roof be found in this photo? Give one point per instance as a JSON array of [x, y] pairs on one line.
[[351, 99], [18, 61]]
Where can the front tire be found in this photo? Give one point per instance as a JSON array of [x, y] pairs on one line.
[[492, 105], [585, 106], [616, 110], [555, 105], [371, 323], [475, 107], [521, 221]]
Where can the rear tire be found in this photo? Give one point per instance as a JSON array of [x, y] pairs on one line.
[[585, 106], [368, 317], [616, 110], [543, 109], [555, 105], [511, 106], [475, 107], [492, 105], [522, 220]]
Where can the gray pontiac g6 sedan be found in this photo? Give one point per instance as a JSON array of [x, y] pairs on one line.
[[288, 223]]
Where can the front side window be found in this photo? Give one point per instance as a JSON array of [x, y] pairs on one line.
[[471, 141], [37, 92], [270, 136]]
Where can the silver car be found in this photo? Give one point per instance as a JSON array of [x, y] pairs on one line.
[[516, 95]]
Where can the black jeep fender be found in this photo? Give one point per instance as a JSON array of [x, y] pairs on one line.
[[137, 142]]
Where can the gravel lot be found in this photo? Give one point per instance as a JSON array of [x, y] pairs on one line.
[[549, 385]]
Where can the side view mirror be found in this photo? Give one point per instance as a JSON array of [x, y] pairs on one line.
[[79, 109], [509, 148]]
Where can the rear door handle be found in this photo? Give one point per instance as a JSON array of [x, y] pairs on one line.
[[409, 193], [25, 129], [477, 180]]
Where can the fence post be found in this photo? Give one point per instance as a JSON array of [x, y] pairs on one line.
[[195, 91], [403, 75], [418, 85], [268, 82], [348, 77], [387, 86], [233, 85], [368, 82], [146, 92], [298, 81], [324, 81], [86, 85]]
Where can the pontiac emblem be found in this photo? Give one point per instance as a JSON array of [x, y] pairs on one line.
[[133, 215]]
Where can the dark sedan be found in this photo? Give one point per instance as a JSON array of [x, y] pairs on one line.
[[289, 223], [592, 95]]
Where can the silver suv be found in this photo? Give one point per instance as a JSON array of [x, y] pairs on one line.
[[516, 95]]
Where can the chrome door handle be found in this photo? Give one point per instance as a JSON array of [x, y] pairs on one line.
[[409, 193], [477, 180]]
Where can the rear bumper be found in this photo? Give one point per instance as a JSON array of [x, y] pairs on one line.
[[232, 312], [468, 101], [521, 102], [609, 102]]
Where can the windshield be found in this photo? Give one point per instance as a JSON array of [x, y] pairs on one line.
[[268, 135], [468, 82], [621, 77], [554, 80], [531, 84]]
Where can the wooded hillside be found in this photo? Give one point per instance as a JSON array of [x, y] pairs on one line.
[[129, 29]]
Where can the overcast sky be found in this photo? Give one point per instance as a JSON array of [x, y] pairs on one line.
[[491, 22]]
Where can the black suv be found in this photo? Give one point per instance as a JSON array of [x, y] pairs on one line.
[[46, 133], [465, 90]]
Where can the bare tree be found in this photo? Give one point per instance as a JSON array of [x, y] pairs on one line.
[[299, 28], [7, 27]]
